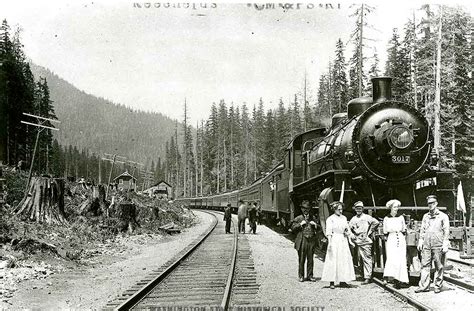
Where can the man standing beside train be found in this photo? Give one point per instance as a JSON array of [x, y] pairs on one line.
[[228, 217], [305, 242], [362, 226], [433, 244], [242, 215]]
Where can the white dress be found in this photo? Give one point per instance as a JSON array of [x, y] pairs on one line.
[[338, 266], [396, 248]]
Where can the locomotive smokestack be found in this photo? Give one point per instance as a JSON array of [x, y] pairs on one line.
[[381, 89]]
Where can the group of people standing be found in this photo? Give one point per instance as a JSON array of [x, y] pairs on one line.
[[338, 264], [251, 210]]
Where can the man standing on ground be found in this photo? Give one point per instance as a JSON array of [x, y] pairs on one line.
[[253, 217], [305, 226], [362, 226], [433, 244], [242, 214], [227, 217]]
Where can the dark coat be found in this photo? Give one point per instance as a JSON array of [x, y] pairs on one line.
[[227, 213], [252, 212], [298, 229]]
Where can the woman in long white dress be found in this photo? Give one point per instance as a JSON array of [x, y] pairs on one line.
[[396, 248], [338, 266]]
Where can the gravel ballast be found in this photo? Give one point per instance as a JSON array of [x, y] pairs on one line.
[[92, 286], [276, 264]]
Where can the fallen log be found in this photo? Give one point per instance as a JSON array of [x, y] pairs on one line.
[[170, 228]]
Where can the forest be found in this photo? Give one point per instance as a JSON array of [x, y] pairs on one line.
[[429, 57], [431, 65]]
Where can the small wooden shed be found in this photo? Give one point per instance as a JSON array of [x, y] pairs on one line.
[[160, 190], [125, 181]]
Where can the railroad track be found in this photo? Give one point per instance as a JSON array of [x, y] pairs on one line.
[[201, 275], [402, 295]]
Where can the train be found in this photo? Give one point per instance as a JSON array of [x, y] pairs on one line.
[[380, 149]]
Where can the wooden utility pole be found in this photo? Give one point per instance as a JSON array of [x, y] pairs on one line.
[[437, 102], [41, 127], [113, 159], [135, 165]]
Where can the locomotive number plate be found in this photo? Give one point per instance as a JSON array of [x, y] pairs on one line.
[[401, 159]]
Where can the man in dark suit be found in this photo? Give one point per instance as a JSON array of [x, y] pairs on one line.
[[305, 227], [227, 217]]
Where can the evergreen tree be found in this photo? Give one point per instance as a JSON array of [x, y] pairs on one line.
[[397, 67], [283, 133], [339, 79], [373, 71], [408, 48], [270, 147], [357, 76], [296, 125], [247, 141]]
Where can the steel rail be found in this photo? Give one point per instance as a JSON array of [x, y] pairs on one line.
[[228, 287], [141, 293], [412, 301], [463, 262], [459, 283]]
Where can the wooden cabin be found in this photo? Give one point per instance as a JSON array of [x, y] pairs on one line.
[[125, 182], [160, 190]]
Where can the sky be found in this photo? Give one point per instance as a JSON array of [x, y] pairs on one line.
[[154, 58]]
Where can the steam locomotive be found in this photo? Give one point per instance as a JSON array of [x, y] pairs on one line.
[[379, 150]]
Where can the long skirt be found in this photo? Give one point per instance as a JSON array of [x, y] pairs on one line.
[[396, 264], [338, 266]]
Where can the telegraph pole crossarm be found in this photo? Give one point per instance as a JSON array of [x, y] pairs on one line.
[[40, 127]]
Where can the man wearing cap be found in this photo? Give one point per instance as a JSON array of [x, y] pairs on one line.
[[305, 226], [362, 226], [227, 217], [433, 244]]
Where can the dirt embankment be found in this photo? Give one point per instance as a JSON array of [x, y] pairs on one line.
[[36, 251]]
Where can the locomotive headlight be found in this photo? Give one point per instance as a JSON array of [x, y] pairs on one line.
[[401, 137]]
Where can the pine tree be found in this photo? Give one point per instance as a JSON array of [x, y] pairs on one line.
[[340, 79], [295, 117], [283, 134], [357, 75], [270, 147], [397, 67], [458, 24], [373, 71], [246, 143], [408, 46]]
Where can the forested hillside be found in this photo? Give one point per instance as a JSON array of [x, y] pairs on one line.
[[101, 126]]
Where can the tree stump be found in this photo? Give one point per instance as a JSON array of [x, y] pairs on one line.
[[94, 205], [127, 213], [44, 202]]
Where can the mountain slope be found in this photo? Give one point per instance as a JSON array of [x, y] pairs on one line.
[[101, 126]]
